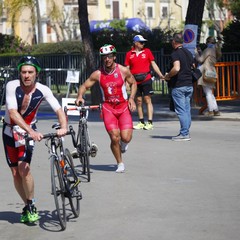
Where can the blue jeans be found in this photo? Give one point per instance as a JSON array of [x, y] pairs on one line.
[[182, 103]]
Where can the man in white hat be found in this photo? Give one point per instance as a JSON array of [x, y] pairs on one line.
[[139, 60]]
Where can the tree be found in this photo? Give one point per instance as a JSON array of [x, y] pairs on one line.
[[88, 48], [14, 9], [212, 5], [234, 6], [195, 14]]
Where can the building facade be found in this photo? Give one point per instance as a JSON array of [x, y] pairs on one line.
[[57, 20]]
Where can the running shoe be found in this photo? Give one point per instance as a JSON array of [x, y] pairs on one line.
[[139, 126], [29, 214], [148, 126], [33, 214], [24, 215], [94, 149], [121, 168]]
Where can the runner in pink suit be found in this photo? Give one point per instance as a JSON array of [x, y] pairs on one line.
[[117, 106]]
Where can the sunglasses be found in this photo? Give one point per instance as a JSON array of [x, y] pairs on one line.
[[142, 43], [110, 56]]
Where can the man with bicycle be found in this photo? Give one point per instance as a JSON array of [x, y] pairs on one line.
[[23, 98], [116, 107]]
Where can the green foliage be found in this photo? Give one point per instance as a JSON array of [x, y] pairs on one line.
[[231, 37], [59, 47], [234, 6], [11, 44], [119, 24], [123, 40]]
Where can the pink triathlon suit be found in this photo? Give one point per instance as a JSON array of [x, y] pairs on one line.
[[116, 114]]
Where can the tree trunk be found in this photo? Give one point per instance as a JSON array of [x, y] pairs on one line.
[[39, 23], [195, 14], [88, 48]]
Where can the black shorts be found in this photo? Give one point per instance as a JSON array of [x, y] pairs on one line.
[[145, 89]]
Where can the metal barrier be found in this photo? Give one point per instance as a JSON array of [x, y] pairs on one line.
[[227, 86]]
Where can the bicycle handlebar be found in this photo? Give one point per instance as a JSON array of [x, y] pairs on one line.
[[47, 135], [79, 108]]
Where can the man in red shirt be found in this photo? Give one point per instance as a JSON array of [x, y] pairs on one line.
[[139, 60], [116, 107]]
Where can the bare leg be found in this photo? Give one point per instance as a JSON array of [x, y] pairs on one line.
[[18, 184], [139, 107], [126, 135], [23, 181], [148, 101], [115, 147]]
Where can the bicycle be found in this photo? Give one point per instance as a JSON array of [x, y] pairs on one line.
[[64, 179], [81, 142]]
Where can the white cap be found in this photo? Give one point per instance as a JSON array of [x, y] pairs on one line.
[[139, 38]]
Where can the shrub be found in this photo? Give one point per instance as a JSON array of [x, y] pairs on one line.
[[11, 44], [59, 47]]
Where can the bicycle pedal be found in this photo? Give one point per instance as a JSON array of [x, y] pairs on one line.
[[76, 183]]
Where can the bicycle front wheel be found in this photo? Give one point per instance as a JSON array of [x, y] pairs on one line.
[[85, 153], [72, 184], [58, 191]]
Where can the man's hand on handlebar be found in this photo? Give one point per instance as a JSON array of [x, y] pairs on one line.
[[62, 132], [79, 101], [36, 136]]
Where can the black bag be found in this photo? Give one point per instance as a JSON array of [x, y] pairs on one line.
[[140, 76], [196, 74]]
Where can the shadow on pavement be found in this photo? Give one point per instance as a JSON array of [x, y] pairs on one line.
[[11, 217], [107, 168]]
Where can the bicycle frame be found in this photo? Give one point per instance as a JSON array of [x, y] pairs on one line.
[[82, 141], [57, 143], [64, 180]]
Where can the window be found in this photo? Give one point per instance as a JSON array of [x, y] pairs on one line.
[[164, 12], [115, 10], [149, 12]]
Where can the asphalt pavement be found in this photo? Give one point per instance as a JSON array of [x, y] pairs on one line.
[[170, 190]]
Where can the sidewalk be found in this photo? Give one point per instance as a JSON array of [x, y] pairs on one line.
[[230, 110]]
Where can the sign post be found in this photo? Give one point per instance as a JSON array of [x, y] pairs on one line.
[[190, 37], [72, 77]]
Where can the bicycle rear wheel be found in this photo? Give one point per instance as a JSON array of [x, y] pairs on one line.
[[72, 184], [58, 190], [85, 147]]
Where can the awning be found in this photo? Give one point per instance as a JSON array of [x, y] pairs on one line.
[[135, 24]]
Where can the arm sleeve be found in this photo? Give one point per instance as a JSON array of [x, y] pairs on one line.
[[50, 98], [126, 63], [11, 101], [151, 57]]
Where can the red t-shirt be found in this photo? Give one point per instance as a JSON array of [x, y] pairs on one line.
[[139, 63]]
